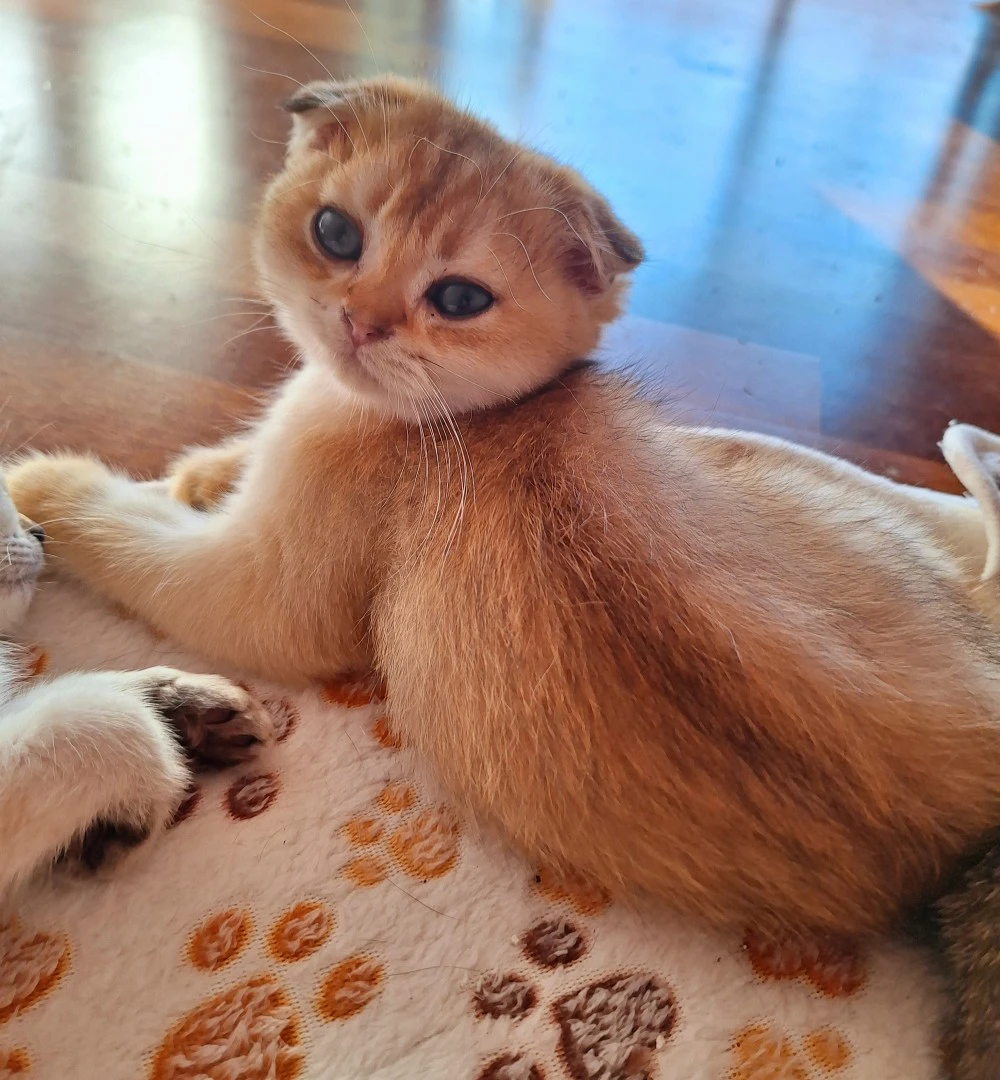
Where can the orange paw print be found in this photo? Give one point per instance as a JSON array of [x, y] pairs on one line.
[[250, 1029], [834, 969], [349, 986], [424, 844], [764, 1052], [354, 689], [32, 964], [32, 662], [567, 887], [14, 1062], [219, 939]]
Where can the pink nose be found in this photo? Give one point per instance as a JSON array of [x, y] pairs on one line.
[[362, 332]]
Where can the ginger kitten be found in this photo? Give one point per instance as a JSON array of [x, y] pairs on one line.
[[745, 677]]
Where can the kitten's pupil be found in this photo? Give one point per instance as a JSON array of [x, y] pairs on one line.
[[336, 234], [459, 299]]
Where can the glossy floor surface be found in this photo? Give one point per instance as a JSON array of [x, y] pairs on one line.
[[817, 183]]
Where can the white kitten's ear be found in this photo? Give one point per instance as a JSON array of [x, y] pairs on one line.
[[600, 247]]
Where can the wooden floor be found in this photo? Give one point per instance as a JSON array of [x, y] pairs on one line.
[[817, 183]]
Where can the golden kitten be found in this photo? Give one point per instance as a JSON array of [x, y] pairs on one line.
[[748, 678]]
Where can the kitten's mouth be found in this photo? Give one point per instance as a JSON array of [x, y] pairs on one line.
[[21, 561]]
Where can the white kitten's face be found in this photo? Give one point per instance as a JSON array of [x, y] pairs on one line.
[[21, 560]]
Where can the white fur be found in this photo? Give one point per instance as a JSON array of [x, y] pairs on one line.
[[84, 747]]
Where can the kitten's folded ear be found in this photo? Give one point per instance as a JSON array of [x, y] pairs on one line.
[[322, 116], [340, 117], [600, 247]]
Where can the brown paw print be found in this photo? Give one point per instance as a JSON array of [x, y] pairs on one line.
[[566, 887], [249, 1031], [354, 689], [32, 964], [190, 803], [219, 939], [301, 931], [611, 1029], [511, 1067], [762, 1051], [835, 969], [349, 987], [553, 943], [250, 796], [496, 994], [365, 871], [14, 1063], [285, 714]]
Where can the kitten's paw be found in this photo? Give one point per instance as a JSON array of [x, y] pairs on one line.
[[45, 486], [145, 775], [218, 722], [203, 477]]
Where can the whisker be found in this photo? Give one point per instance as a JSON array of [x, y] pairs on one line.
[[513, 236]]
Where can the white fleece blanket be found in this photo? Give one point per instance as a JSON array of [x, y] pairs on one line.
[[322, 914]]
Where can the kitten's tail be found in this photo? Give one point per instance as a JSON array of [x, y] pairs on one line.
[[967, 923]]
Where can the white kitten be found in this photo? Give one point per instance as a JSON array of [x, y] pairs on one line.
[[88, 758]]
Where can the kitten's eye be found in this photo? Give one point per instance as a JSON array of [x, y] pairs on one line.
[[336, 234], [459, 299]]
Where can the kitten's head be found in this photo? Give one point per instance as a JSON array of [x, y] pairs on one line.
[[429, 262], [21, 559]]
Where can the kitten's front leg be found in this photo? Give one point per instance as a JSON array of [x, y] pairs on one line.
[[228, 585]]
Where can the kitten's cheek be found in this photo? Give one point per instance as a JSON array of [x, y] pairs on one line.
[[45, 486]]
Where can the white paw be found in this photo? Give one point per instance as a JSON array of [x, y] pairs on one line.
[[142, 763]]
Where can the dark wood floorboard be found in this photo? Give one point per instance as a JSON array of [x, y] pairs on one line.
[[817, 183]]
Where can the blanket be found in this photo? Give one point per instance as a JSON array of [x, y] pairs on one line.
[[324, 913]]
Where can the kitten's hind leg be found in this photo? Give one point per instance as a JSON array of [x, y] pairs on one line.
[[204, 475], [89, 758]]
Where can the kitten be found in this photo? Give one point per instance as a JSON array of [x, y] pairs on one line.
[[755, 681], [101, 757]]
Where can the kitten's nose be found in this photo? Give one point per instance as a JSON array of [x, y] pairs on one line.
[[363, 332]]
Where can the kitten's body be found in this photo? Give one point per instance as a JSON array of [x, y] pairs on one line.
[[97, 748], [758, 682]]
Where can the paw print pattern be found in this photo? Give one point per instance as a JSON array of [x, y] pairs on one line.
[[496, 994], [834, 969], [762, 1051], [573, 890], [424, 844], [349, 987], [285, 714], [34, 662], [611, 1029], [32, 964], [511, 1067], [14, 1063], [251, 795], [554, 942], [385, 735], [301, 931], [190, 803], [219, 939], [250, 1031], [354, 689]]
